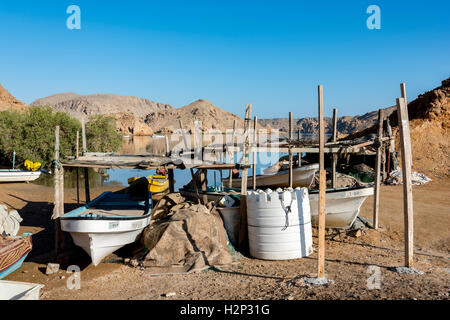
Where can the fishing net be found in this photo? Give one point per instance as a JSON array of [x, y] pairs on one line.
[[185, 237]]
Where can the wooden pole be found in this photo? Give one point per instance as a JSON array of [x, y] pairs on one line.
[[86, 170], [322, 189], [171, 181], [291, 136], [167, 146], [334, 155], [299, 163], [77, 144], [83, 138], [195, 185], [58, 209], [254, 151], [376, 203], [403, 92], [243, 232], [405, 142], [230, 183], [203, 175], [186, 146], [78, 184]]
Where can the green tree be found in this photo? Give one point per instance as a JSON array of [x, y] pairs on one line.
[[102, 135]]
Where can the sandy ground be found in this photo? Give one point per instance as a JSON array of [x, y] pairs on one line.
[[348, 258]]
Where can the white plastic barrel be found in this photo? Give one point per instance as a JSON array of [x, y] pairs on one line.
[[274, 231]]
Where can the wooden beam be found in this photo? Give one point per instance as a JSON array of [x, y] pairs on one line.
[[376, 202], [167, 145], [230, 184], [243, 231], [186, 145], [334, 155], [299, 154], [322, 189], [403, 92], [291, 137], [254, 151], [405, 143]]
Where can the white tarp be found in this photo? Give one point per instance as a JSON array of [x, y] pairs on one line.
[[417, 179]]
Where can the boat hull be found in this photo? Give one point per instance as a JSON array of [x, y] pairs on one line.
[[100, 238], [341, 206], [18, 175], [15, 290], [302, 177]]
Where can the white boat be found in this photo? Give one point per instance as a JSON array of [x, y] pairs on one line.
[[157, 136], [18, 175], [302, 177], [107, 223], [15, 290], [341, 205]]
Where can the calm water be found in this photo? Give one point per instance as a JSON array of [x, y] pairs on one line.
[[119, 177]]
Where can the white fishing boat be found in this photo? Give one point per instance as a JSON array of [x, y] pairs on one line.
[[302, 177], [107, 223], [15, 290], [341, 205], [18, 175]]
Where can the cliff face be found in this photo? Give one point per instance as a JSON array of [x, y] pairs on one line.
[[7, 101]]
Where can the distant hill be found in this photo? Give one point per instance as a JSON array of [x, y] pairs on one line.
[[130, 112], [7, 101], [345, 124]]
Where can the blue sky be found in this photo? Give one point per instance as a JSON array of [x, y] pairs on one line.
[[270, 53]]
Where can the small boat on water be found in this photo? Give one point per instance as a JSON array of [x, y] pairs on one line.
[[107, 223], [13, 251], [18, 175], [15, 290], [157, 136], [302, 177], [342, 205]]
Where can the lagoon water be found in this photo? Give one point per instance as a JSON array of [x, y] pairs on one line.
[[144, 144]]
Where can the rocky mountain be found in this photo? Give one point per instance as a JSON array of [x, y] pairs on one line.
[[345, 124], [211, 116], [130, 112], [7, 101]]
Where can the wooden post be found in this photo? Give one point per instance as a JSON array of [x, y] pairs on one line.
[[58, 209], [299, 163], [291, 136], [171, 181], [403, 92], [77, 144], [83, 138], [334, 155], [243, 232], [230, 183], [86, 170], [78, 184], [405, 143], [322, 189], [195, 185], [203, 175], [376, 197], [167, 146], [186, 146], [254, 151]]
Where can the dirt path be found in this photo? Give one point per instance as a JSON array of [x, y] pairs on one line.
[[348, 258]]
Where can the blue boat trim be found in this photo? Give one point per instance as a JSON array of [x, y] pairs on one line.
[[14, 267]]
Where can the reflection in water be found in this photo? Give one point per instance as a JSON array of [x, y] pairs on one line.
[[144, 144]]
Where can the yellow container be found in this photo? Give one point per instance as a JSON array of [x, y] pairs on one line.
[[156, 183]]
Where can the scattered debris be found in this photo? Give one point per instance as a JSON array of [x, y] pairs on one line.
[[169, 294], [9, 221], [417, 179], [52, 268], [317, 281], [406, 270]]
